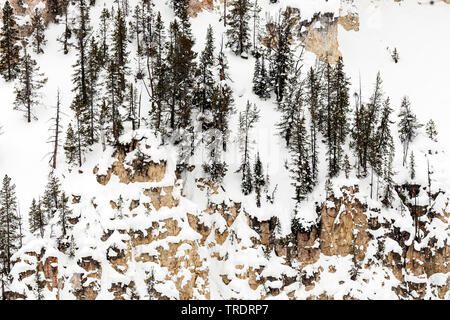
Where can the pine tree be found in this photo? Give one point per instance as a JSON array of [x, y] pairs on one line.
[[328, 128], [206, 66], [181, 12], [292, 100], [370, 155], [259, 179], [280, 52], [28, 86], [115, 98], [346, 166], [119, 50], [159, 83], [37, 219], [261, 82], [51, 199], [313, 101], [364, 131], [431, 130], [412, 166], [9, 46], [71, 146], [80, 104], [407, 126], [67, 34], [9, 223], [340, 115], [247, 181], [256, 9], [247, 120], [182, 67], [182, 63], [93, 74], [238, 31], [299, 165], [388, 193], [104, 28], [384, 139], [395, 55], [64, 212], [37, 24]]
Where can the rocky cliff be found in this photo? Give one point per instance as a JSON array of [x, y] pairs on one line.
[[140, 238]]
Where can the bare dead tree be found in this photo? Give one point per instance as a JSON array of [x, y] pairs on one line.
[[56, 131]]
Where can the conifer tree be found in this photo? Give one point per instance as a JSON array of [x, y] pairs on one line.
[[313, 101], [328, 128], [431, 130], [93, 74], [247, 181], [181, 12], [247, 121], [64, 212], [388, 193], [37, 24], [37, 219], [259, 179], [9, 46], [340, 114], [370, 125], [256, 9], [280, 52], [71, 145], [299, 166], [9, 223], [290, 105], [346, 166], [412, 166], [80, 80], [159, 83], [181, 66], [407, 126], [384, 139], [67, 34], [238, 31], [119, 49], [28, 86], [114, 105], [82, 32], [261, 82], [51, 198], [222, 107], [206, 66], [364, 132], [104, 28]]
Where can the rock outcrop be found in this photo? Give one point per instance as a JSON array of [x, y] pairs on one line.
[[139, 238]]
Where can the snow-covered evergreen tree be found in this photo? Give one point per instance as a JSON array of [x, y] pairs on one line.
[[30, 81], [37, 23], [9, 224], [247, 120], [238, 32], [407, 126], [9, 46]]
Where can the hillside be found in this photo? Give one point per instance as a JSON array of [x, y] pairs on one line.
[[163, 200]]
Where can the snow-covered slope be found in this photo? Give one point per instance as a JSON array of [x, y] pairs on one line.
[[185, 239]]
